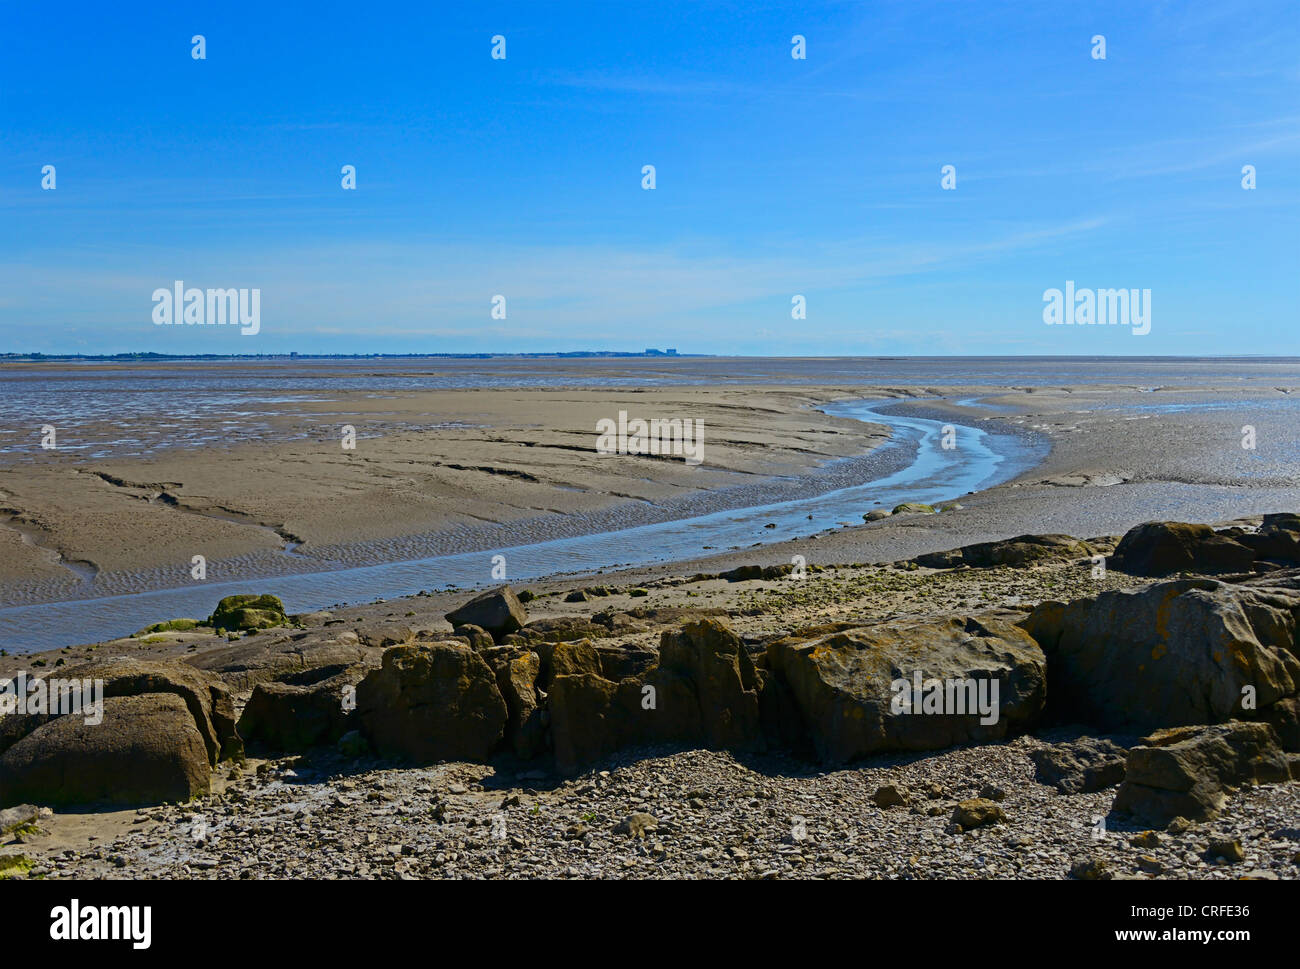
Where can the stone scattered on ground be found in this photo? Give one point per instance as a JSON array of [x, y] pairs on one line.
[[1082, 766], [713, 816]]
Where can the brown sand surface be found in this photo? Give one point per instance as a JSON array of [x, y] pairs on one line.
[[484, 456], [433, 468], [1111, 466]]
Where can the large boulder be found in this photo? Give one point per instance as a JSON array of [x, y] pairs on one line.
[[843, 684], [146, 750], [704, 691], [1277, 540], [592, 717], [431, 702], [588, 720], [1163, 548], [499, 611], [711, 660], [1185, 772], [1021, 551], [302, 710], [205, 697], [1187, 651], [242, 613]]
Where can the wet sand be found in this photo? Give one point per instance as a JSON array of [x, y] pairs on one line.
[[1117, 459], [437, 466], [443, 471]]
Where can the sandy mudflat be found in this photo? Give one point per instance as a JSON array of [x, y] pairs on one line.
[[442, 471], [1115, 461], [430, 463]]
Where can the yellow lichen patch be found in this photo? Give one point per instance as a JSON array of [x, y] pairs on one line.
[[1158, 650]]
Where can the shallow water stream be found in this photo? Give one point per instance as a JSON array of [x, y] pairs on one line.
[[979, 460]]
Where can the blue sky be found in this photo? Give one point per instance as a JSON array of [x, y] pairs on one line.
[[775, 176]]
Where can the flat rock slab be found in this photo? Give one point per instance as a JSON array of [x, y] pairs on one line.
[[16, 817]]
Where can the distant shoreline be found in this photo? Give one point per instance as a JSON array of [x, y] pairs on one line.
[[293, 355], [613, 354]]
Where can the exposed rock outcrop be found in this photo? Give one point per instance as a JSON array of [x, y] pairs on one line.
[[1185, 772], [1187, 651], [703, 691], [711, 663], [1021, 551], [432, 701], [842, 684], [1163, 548], [244, 664]]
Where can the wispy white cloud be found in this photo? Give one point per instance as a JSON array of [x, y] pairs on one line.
[[445, 290]]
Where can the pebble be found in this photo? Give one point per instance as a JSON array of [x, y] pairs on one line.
[[768, 817]]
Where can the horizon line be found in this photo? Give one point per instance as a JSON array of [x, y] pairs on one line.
[[19, 357]]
